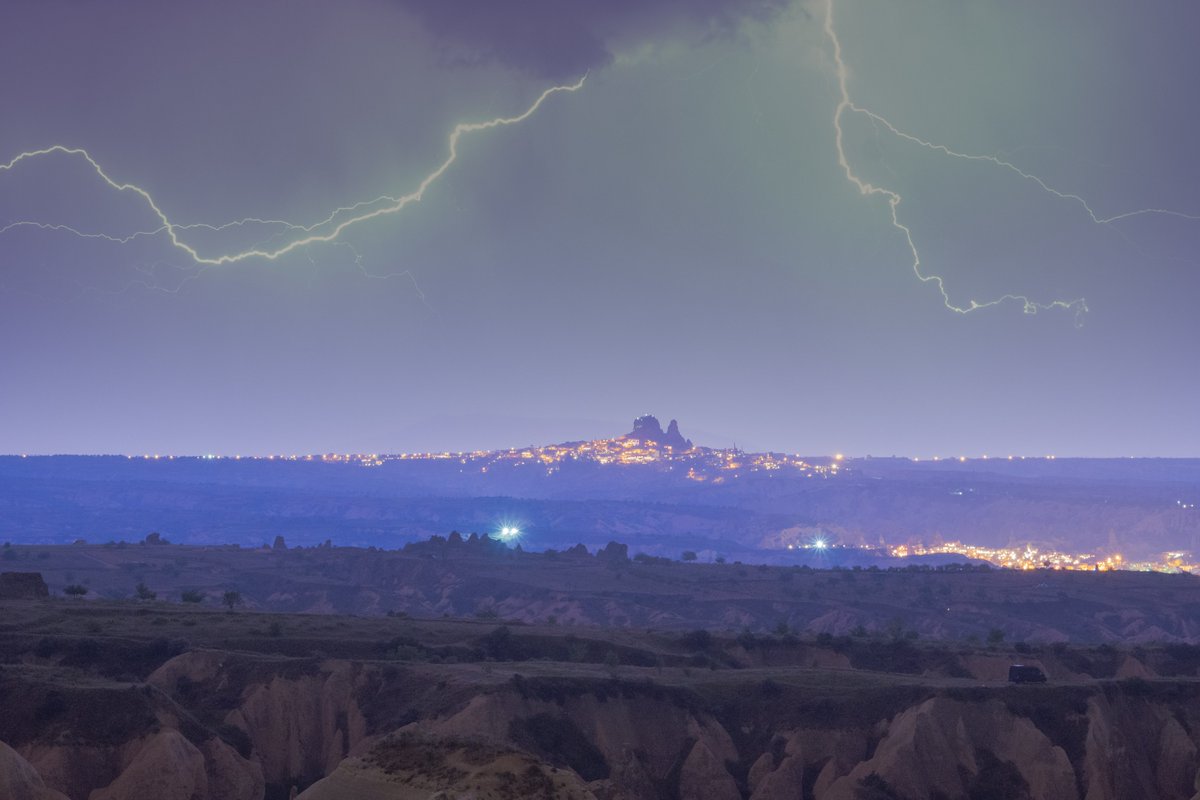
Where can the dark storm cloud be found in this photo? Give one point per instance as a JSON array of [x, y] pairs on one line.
[[565, 38]]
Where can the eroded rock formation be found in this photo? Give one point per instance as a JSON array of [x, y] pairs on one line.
[[211, 725]]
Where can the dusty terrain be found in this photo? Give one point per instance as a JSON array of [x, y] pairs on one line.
[[106, 699], [608, 589]]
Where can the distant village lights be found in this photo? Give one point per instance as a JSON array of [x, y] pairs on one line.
[[647, 446]]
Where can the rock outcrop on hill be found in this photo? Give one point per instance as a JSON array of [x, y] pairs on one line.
[[778, 774], [20, 781], [948, 748], [166, 767], [302, 727], [648, 430]]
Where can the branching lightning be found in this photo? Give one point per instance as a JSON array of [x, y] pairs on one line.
[[293, 236], [323, 231], [866, 188], [404, 273]]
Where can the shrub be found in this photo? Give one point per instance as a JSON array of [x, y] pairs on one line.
[[1135, 686], [747, 640], [51, 706], [698, 640]]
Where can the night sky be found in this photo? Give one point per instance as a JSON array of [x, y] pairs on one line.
[[676, 236]]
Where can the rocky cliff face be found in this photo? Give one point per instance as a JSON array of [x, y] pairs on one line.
[[165, 756], [302, 727], [20, 781], [619, 740], [217, 725], [949, 748], [167, 766]]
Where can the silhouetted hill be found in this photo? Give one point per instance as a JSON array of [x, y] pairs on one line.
[[651, 488]]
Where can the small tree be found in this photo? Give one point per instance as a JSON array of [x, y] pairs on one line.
[[689, 555], [142, 592], [75, 590], [995, 636], [697, 641], [192, 596], [232, 598]]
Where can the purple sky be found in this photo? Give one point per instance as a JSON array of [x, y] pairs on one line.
[[675, 237]]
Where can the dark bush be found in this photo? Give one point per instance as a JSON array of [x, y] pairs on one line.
[[1135, 687], [698, 640]]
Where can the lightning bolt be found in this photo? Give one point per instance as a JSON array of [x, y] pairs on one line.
[[406, 273], [847, 105], [323, 231]]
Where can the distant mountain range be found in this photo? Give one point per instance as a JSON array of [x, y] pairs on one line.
[[651, 488]]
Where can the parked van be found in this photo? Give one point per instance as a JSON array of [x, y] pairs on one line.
[[1019, 673]]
